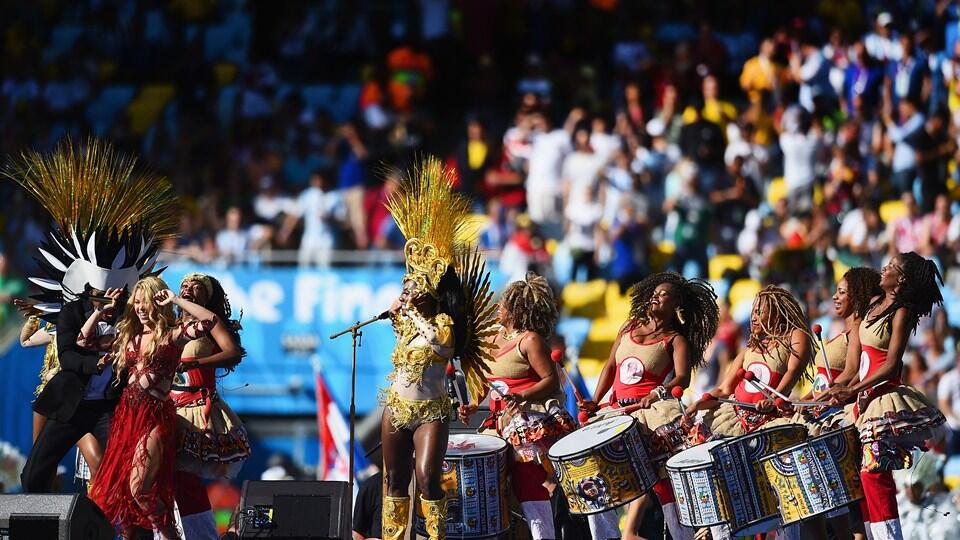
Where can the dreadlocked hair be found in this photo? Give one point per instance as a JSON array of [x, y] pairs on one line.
[[698, 304], [531, 305], [783, 315], [863, 285], [919, 292]]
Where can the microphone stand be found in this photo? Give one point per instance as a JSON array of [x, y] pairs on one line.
[[357, 341]]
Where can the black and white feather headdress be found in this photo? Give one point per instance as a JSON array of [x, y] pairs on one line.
[[110, 216]]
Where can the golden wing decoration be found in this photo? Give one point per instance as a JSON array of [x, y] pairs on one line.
[[481, 320]]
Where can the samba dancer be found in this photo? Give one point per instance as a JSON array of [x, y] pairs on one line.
[[134, 485], [778, 350], [893, 418], [438, 316], [777, 353], [211, 440], [855, 290], [672, 320], [527, 410]]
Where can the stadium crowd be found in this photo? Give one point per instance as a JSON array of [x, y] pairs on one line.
[[597, 139]]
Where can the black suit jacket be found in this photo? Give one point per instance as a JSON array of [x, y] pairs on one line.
[[62, 395]]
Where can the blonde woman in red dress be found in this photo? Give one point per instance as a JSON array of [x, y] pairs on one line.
[[134, 485]]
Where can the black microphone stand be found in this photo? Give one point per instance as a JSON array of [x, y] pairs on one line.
[[357, 338]]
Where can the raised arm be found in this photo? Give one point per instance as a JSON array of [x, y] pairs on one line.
[[229, 356], [204, 319], [440, 336], [31, 335]]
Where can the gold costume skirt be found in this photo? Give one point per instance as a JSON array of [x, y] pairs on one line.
[[211, 440]]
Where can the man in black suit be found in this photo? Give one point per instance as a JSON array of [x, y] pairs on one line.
[[79, 399]]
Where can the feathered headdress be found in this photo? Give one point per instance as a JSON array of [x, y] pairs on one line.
[[435, 221], [109, 215]]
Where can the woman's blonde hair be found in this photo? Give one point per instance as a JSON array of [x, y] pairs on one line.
[[129, 327]]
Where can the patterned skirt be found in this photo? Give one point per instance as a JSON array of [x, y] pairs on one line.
[[211, 440]]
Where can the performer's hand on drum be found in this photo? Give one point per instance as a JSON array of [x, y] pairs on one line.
[[766, 406], [647, 401], [840, 395], [588, 405], [466, 411]]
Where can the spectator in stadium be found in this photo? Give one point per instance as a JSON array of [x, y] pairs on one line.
[[320, 208]]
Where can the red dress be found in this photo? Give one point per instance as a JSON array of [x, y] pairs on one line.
[[140, 412]]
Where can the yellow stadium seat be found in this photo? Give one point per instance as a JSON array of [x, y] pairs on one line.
[[604, 330], [776, 190], [818, 194], [839, 269], [744, 290], [551, 246], [224, 73], [892, 210], [721, 263], [585, 299], [145, 109], [590, 368], [618, 305]]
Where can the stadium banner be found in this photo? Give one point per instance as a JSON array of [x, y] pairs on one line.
[[288, 316]]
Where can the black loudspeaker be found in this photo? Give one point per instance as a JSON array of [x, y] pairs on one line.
[[295, 510], [53, 517]]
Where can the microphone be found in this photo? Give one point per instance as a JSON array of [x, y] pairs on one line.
[[384, 315]]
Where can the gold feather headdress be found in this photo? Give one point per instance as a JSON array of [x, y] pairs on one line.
[[110, 216], [435, 221]]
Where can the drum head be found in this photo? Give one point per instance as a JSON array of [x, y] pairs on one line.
[[693, 458], [591, 436], [468, 444]]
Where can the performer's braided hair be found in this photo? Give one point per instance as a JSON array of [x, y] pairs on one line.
[[698, 308], [219, 304], [784, 314], [531, 306], [918, 292], [863, 284]]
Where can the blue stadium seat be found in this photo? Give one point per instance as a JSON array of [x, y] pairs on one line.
[[225, 104], [574, 330], [102, 110]]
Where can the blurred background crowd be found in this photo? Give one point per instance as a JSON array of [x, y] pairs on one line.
[[745, 142]]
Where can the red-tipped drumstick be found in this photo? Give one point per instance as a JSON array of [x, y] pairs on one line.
[[823, 350], [710, 397], [677, 393], [557, 356], [760, 385]]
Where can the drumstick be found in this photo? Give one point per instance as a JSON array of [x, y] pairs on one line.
[[677, 393], [823, 350], [752, 377], [710, 397], [557, 357]]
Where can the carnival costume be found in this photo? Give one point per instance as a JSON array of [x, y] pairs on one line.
[[144, 408], [212, 442], [530, 434], [730, 420], [641, 370], [110, 219], [892, 419], [433, 219]]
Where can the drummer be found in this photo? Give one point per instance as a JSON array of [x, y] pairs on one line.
[[893, 418], [777, 353], [527, 400], [842, 352], [672, 320]]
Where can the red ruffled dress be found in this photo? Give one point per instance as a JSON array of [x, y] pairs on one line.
[[141, 410]]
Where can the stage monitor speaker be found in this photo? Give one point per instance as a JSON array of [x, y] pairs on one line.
[[295, 510], [53, 517]]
